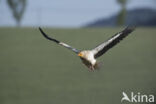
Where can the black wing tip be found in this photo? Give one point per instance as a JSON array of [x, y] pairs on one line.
[[42, 31], [39, 28], [130, 28], [47, 37]]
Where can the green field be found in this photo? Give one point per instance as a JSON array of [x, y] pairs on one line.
[[34, 70]]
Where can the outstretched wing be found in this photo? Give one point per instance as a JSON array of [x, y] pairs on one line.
[[58, 42], [102, 48]]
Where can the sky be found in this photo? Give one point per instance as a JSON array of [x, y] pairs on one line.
[[66, 13]]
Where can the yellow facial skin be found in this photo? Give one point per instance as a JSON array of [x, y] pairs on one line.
[[80, 54]]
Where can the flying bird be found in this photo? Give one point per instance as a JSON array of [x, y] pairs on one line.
[[89, 57]]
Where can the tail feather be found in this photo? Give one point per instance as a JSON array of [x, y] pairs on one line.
[[97, 66]]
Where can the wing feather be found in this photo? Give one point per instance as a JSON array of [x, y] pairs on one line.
[[58, 42], [102, 48]]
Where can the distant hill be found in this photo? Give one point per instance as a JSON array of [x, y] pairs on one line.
[[138, 17]]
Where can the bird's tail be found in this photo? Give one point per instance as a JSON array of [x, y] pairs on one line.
[[97, 66]]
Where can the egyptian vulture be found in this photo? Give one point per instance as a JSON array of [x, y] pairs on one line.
[[89, 57]]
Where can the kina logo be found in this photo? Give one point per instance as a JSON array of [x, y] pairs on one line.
[[138, 97]]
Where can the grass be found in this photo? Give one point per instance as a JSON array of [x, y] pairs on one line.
[[34, 70]]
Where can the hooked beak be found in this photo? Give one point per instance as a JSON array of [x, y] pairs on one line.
[[80, 54]]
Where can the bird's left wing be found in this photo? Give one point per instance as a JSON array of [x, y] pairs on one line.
[[58, 42], [102, 48]]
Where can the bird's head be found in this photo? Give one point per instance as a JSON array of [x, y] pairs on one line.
[[83, 54], [80, 54]]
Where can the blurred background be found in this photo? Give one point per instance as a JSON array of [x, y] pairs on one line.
[[34, 70], [77, 13]]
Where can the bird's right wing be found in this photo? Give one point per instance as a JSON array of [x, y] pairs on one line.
[[58, 42], [105, 46]]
